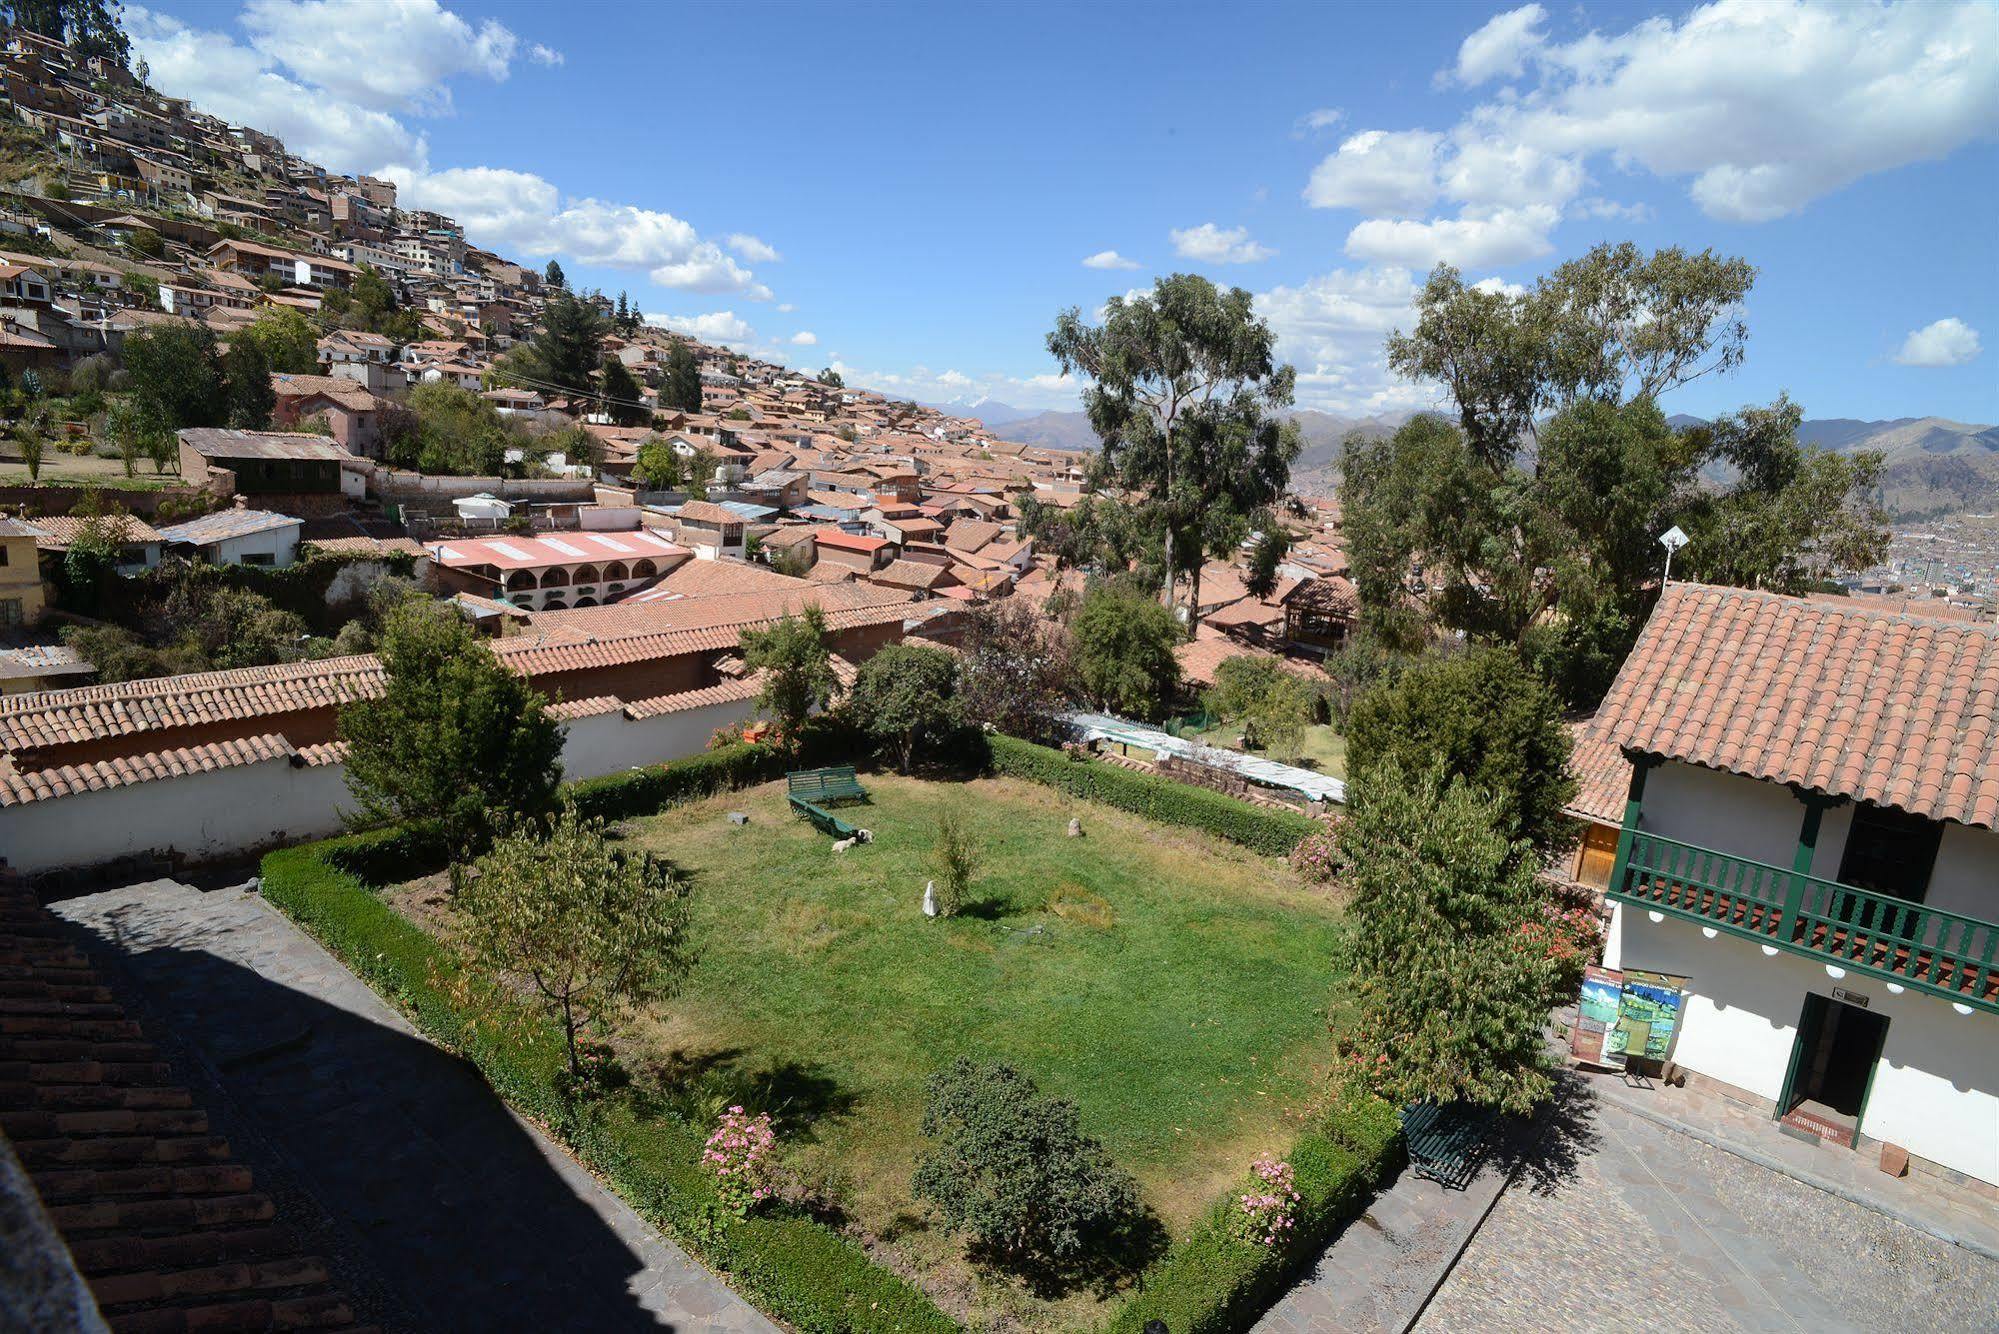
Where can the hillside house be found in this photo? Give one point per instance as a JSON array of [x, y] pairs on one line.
[[236, 537], [20, 574]]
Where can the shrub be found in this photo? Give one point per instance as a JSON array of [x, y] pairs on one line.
[[1271, 832], [1317, 856], [1015, 1169], [956, 858], [739, 1152], [1266, 1211]]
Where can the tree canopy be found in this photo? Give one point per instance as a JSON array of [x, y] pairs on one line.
[[623, 399], [567, 350], [1124, 655], [177, 377], [681, 390], [906, 698], [1183, 390], [797, 667]]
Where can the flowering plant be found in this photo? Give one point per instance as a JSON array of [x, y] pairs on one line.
[[1266, 1212], [739, 1153], [1569, 937], [1317, 856]]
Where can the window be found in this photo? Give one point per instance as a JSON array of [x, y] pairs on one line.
[[10, 611], [1890, 852], [259, 558], [6, 554]]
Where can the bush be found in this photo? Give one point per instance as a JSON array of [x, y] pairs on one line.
[[1016, 1170], [1271, 832], [956, 858], [1317, 856]]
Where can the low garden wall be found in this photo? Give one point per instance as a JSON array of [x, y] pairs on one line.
[[790, 1265]]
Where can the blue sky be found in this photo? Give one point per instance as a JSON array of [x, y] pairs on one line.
[[910, 191]]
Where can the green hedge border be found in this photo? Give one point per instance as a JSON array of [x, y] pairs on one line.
[[791, 1266], [1259, 828]]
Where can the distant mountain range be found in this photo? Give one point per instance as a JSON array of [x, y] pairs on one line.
[[1933, 467]]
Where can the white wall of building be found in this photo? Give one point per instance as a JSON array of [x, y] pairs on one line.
[[1936, 1088], [280, 544], [206, 816]]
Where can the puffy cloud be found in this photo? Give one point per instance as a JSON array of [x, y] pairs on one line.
[[1501, 47], [1495, 173], [1313, 121], [1948, 342], [1478, 238], [384, 56], [1210, 244], [805, 338], [1379, 172], [545, 55], [1109, 259], [722, 327], [1333, 329], [785, 308], [753, 249]]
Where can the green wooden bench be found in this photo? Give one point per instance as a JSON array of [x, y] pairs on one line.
[[1448, 1143], [812, 791]]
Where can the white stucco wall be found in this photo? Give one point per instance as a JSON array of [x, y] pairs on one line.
[[212, 815], [1936, 1088], [281, 544]]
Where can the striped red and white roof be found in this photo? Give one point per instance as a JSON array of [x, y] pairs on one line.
[[534, 553]]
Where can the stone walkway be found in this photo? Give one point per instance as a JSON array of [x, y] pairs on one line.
[[1654, 1229], [471, 1218]]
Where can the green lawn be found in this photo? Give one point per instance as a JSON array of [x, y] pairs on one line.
[[1174, 987], [1322, 747]]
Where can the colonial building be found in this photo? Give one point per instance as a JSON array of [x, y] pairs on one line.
[[1809, 840]]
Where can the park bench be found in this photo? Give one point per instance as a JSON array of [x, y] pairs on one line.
[[811, 791], [1447, 1143]]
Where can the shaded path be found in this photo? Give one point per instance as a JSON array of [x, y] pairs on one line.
[[473, 1219]]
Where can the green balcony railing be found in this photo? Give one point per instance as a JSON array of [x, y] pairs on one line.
[[1927, 948]]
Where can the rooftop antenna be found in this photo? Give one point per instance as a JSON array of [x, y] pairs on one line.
[[1672, 539]]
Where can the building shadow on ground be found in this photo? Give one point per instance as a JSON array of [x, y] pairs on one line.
[[466, 1217]]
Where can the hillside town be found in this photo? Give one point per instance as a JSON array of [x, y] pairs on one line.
[[515, 815]]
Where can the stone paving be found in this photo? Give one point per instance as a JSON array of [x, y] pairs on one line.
[[1648, 1228], [469, 1216]]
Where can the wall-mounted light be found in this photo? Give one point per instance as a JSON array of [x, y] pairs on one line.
[[1896, 988], [1709, 932], [1770, 951], [1834, 972], [1656, 916], [1960, 1007]]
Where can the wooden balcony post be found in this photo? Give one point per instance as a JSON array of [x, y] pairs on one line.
[[1634, 803], [1801, 861]]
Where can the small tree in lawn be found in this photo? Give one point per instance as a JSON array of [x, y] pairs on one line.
[[1272, 704], [1451, 986], [797, 666], [1124, 652], [33, 444], [594, 929], [956, 858], [455, 740], [906, 698], [1015, 1169]]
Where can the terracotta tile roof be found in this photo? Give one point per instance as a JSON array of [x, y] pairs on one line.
[[564, 710], [63, 529], [362, 544], [169, 1231], [903, 573], [724, 692], [53, 717], [730, 611], [707, 513], [1889, 708], [18, 787], [1602, 774]]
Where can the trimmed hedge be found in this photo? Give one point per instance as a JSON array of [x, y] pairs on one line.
[[1271, 832], [789, 1265], [1215, 1282]]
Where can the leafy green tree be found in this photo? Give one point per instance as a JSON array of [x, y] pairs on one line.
[[1124, 653], [371, 305], [832, 379], [145, 243], [1450, 996], [955, 857], [177, 377], [681, 391], [594, 929], [288, 338], [1274, 706], [1015, 1169], [251, 396], [567, 350], [457, 432], [791, 652], [1014, 669], [28, 438], [657, 467], [552, 275], [1272, 546], [1481, 715], [455, 740], [906, 698], [1183, 394], [623, 399], [88, 566]]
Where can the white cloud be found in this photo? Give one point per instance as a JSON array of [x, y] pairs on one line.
[[753, 249], [1501, 47], [546, 55], [1496, 173], [1610, 208], [1313, 121], [1378, 172], [1109, 259], [785, 308], [1477, 238], [805, 338], [382, 56], [1210, 244], [1948, 342], [722, 327], [1333, 329]]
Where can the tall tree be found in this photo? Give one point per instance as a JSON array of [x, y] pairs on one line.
[[455, 739], [1184, 385], [1450, 998], [797, 666], [682, 390], [906, 697], [251, 397], [568, 348], [1124, 653], [177, 375], [552, 275], [290, 342], [623, 399], [832, 379]]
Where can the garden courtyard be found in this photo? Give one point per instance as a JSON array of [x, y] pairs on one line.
[[1174, 987]]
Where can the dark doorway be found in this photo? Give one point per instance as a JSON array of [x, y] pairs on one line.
[[1832, 1066], [1890, 852]]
